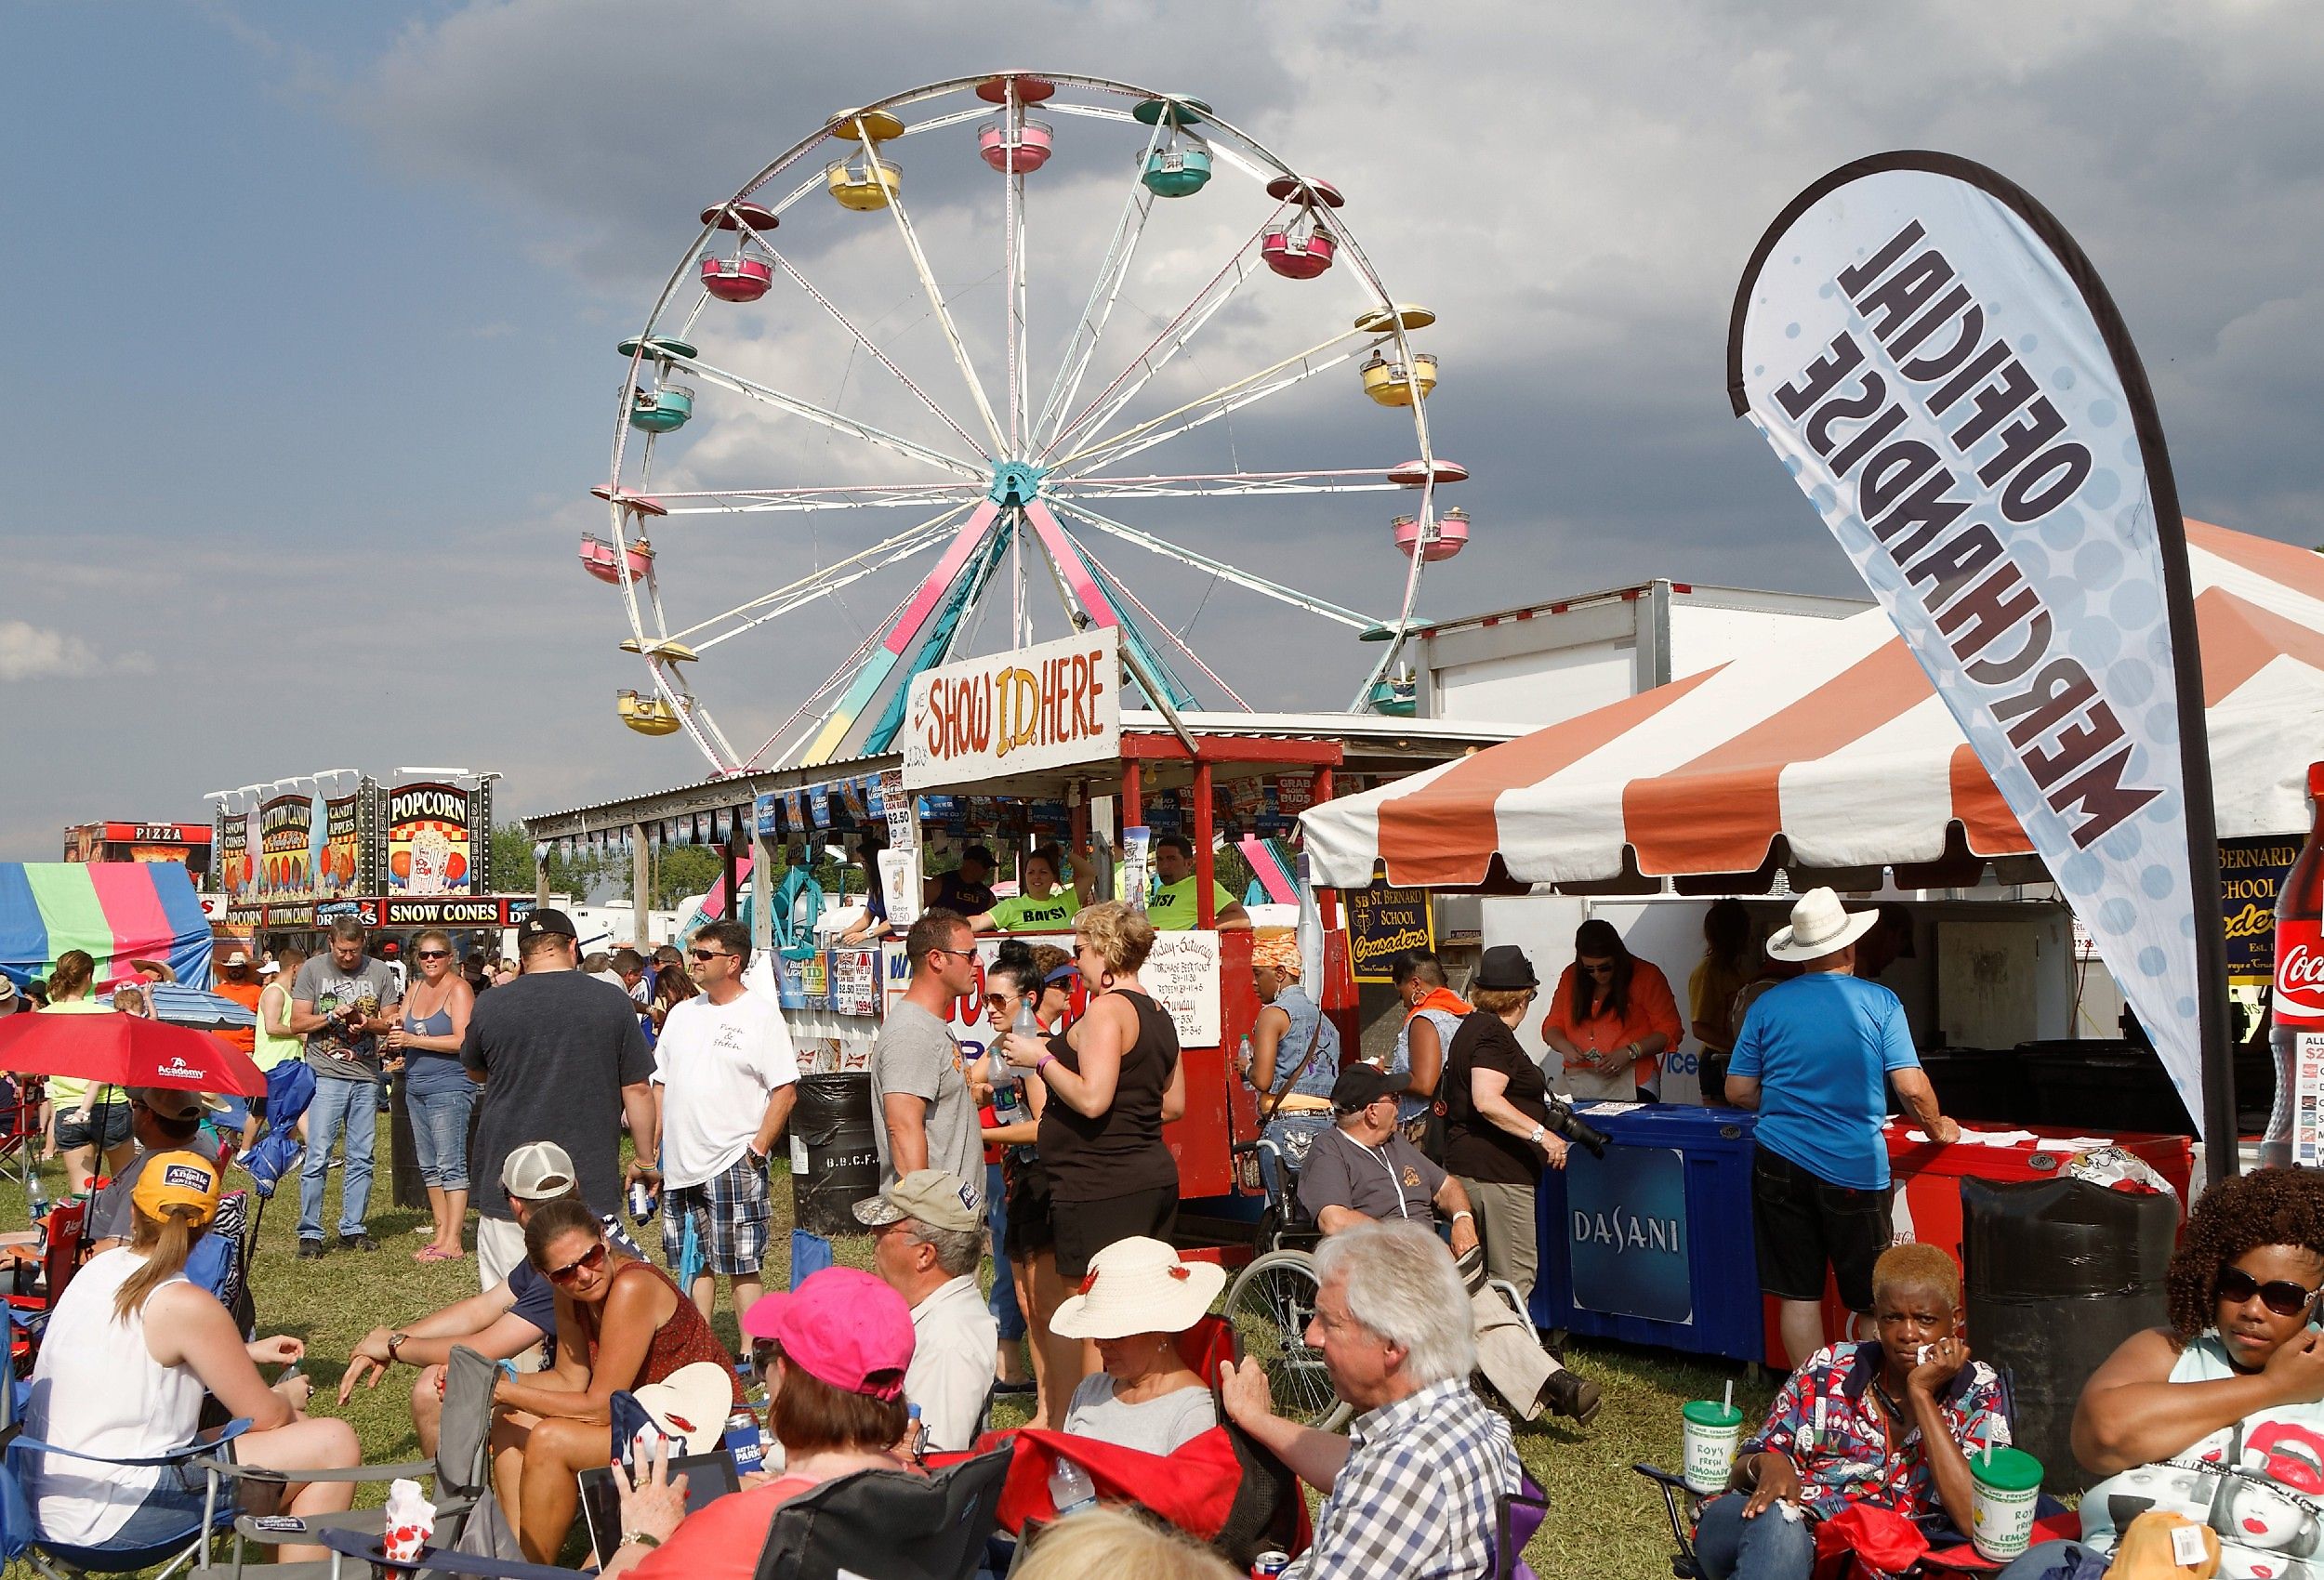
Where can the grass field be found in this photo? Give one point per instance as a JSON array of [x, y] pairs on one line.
[[1603, 1519]]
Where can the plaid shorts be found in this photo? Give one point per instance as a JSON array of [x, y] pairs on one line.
[[729, 1214]]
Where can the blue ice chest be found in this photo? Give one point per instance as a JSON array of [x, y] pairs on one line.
[[1651, 1244]]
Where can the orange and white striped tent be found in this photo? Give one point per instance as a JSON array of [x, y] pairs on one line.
[[1830, 756]]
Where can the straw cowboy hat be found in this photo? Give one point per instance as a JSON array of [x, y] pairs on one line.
[[1819, 927], [1139, 1285]]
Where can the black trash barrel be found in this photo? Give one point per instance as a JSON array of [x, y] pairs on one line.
[[2059, 1274], [833, 1119]]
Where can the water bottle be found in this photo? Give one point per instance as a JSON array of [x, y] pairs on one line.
[[1008, 1081], [40, 1198], [1070, 1489], [916, 1432], [741, 1444]]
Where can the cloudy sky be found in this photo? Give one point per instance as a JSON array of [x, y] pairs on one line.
[[314, 309]]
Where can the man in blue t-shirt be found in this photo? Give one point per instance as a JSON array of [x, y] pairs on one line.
[[1814, 1057]]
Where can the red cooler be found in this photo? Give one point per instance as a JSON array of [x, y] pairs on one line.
[[1927, 1177]]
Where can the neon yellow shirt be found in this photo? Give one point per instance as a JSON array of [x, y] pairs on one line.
[[1022, 914], [64, 1091], [1172, 909]]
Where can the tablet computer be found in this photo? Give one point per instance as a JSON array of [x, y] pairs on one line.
[[707, 1476]]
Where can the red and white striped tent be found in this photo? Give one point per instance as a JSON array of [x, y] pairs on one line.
[[1828, 755]]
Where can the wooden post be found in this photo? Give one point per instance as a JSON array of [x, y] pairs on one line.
[[1206, 864], [640, 885], [761, 892]]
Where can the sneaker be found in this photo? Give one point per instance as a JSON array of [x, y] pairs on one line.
[[1567, 1394], [358, 1243], [310, 1250]]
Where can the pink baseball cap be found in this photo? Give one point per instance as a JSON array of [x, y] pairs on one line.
[[841, 1326]]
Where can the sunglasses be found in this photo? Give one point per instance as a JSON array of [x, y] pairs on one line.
[[433, 954], [1604, 970], [591, 1262], [710, 954], [2279, 1295], [764, 1354]]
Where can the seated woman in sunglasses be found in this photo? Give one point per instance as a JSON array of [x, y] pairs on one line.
[[621, 1323], [2220, 1417]]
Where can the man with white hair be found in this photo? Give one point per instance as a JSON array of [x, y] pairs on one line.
[[928, 1236], [1815, 1056], [1411, 1489]]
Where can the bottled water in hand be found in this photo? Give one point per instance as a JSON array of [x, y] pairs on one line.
[[1070, 1489]]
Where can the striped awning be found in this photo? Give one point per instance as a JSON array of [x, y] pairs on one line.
[[1829, 752], [117, 910]]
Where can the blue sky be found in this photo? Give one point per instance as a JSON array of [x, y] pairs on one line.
[[314, 305]]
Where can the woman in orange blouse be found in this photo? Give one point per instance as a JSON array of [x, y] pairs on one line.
[[1612, 1017]]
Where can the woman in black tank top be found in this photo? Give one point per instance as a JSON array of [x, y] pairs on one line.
[[1114, 1081]]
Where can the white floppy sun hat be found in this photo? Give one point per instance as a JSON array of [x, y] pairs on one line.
[[1139, 1285], [1820, 927]]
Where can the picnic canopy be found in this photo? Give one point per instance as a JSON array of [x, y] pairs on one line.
[[1828, 755], [118, 911]]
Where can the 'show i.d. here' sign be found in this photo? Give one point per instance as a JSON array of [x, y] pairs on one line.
[[1046, 706]]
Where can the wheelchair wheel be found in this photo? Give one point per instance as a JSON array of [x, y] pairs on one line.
[[1269, 1306]]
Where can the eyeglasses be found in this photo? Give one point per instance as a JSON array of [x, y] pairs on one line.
[[710, 954], [2279, 1295], [1604, 967], [432, 954], [591, 1262]]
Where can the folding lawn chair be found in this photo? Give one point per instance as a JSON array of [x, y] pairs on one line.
[[20, 1535], [889, 1524], [462, 1470]]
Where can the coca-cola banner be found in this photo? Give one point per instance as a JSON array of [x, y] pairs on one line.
[[1939, 368]]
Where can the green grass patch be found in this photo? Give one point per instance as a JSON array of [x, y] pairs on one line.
[[1603, 1519]]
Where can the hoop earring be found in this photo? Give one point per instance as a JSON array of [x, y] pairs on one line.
[[1105, 983]]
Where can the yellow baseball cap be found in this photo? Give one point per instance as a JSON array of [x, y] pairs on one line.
[[178, 1180]]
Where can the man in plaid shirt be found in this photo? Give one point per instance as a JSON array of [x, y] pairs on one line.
[[1410, 1492]]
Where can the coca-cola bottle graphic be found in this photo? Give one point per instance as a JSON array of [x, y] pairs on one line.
[[2297, 1003]]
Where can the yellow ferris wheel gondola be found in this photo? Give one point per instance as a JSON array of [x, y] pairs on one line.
[[647, 715]]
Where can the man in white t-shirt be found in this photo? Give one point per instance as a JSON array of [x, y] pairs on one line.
[[724, 1078]]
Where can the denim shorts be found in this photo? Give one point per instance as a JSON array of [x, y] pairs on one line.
[[440, 1133], [110, 1120]]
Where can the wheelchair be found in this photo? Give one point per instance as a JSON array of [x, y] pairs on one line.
[[1272, 1300]]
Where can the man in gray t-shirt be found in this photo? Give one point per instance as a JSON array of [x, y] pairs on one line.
[[924, 1116], [341, 1002]]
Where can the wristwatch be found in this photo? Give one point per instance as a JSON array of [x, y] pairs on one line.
[[1538, 1131], [642, 1538], [395, 1344]]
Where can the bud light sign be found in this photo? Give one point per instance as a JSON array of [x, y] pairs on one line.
[[1626, 1217]]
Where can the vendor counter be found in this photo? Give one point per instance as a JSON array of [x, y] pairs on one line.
[[1653, 1243]]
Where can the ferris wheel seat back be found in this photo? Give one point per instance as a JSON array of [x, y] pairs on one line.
[[1298, 253], [860, 185], [602, 560], [1177, 172], [1030, 90], [663, 410], [1440, 539], [1392, 384], [1414, 473], [736, 279], [1027, 151]]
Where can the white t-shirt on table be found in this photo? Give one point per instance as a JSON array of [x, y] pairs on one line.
[[717, 1064]]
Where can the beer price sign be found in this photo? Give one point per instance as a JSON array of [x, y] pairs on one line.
[[1048, 706]]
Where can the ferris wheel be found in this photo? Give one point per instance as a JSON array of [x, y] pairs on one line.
[[821, 403]]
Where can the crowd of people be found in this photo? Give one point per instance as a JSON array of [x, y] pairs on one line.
[[1047, 1153]]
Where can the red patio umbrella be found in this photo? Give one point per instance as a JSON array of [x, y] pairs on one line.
[[125, 1050]]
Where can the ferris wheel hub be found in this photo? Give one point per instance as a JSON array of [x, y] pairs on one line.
[[1015, 483]]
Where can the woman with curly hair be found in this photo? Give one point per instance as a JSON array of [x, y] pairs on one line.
[[2220, 1417]]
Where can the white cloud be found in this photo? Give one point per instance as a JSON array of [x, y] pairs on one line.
[[34, 652]]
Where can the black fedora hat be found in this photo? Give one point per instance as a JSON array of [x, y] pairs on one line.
[[1505, 970]]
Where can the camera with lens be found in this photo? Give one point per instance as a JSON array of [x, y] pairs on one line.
[[1563, 1120]]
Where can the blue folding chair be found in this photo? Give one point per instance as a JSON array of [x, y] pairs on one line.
[[810, 1253], [20, 1535]]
